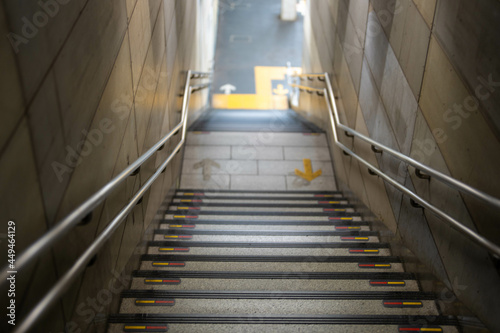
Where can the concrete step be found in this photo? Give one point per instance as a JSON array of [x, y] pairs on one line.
[[260, 251], [249, 238], [298, 284], [204, 320], [179, 279], [268, 194], [202, 209], [275, 306], [174, 225], [266, 266], [262, 214], [284, 328], [257, 201], [192, 216]]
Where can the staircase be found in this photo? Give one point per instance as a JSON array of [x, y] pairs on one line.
[[250, 261]]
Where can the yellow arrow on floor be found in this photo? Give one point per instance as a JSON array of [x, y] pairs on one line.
[[308, 174]]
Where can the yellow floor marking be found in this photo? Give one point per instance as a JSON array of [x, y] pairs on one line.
[[265, 98], [135, 327], [308, 174]]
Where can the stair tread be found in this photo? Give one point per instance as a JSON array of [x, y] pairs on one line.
[[269, 212], [293, 282], [259, 294], [249, 244], [276, 306], [269, 318], [269, 238], [279, 328], [260, 251], [270, 222]]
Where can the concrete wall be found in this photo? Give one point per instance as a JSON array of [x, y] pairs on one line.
[[420, 77], [87, 86]]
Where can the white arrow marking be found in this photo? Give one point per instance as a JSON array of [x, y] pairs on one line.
[[207, 165], [227, 88]]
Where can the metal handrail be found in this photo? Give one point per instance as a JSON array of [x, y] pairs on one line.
[[450, 181], [48, 239]]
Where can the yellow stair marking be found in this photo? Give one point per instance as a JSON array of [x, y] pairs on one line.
[[308, 174]]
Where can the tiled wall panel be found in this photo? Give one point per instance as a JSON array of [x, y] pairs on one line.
[[423, 82], [93, 86]]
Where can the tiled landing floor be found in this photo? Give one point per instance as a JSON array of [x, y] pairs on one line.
[[255, 161]]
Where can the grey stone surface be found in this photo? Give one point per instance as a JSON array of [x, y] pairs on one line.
[[269, 183], [468, 35], [256, 139], [216, 182], [191, 328], [230, 167], [257, 202], [314, 153], [274, 284], [263, 193], [257, 152], [213, 152], [260, 209], [263, 217], [268, 251], [236, 226], [277, 306], [231, 238], [270, 266], [287, 167], [322, 183]]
